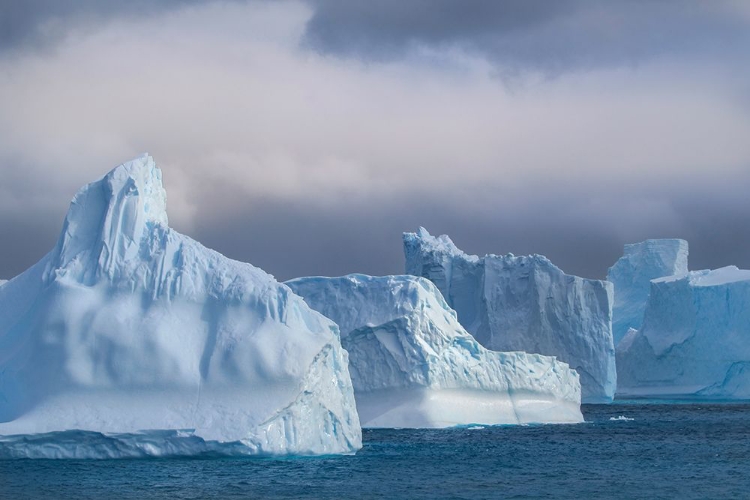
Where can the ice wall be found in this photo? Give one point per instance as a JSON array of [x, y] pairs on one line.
[[525, 303], [695, 338], [632, 274]]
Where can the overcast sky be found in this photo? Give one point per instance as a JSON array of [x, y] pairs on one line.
[[305, 137]]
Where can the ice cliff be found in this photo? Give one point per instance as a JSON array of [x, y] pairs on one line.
[[526, 303], [128, 328], [414, 365], [632, 274], [695, 338]]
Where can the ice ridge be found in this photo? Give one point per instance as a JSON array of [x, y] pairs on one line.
[[129, 327], [414, 365]]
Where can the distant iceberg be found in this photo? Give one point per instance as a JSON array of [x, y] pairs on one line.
[[695, 338], [142, 339], [414, 365], [631, 276], [526, 303]]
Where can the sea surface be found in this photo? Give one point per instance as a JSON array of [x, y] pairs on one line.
[[624, 450]]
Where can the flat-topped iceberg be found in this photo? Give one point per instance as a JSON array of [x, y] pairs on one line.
[[631, 276], [526, 303], [695, 338], [414, 365], [128, 328]]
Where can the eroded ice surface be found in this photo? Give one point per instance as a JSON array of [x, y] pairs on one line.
[[631, 276], [414, 365], [129, 327], [524, 303], [695, 338]]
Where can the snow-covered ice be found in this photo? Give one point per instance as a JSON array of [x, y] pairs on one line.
[[695, 338], [414, 365], [631, 276], [128, 328], [525, 303]]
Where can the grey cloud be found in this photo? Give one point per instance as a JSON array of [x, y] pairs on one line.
[[38, 23], [319, 165], [548, 36], [24, 240], [295, 238]]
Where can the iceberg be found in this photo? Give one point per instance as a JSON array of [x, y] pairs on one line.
[[133, 333], [631, 276], [526, 303], [413, 365], [695, 338]]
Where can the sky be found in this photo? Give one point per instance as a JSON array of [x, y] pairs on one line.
[[306, 136]]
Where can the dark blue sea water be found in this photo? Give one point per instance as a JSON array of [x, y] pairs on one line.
[[666, 451]]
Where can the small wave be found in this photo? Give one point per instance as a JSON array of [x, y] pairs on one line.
[[475, 427], [621, 418]]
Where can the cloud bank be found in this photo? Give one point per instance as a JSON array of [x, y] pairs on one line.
[[304, 137]]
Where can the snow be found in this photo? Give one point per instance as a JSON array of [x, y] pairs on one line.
[[695, 338], [524, 303], [631, 276], [129, 328], [414, 365], [721, 276]]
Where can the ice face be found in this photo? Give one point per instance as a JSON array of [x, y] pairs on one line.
[[414, 365], [128, 326], [525, 303], [632, 274], [695, 338]]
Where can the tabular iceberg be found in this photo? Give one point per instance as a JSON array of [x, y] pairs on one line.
[[526, 304], [414, 365], [128, 327], [632, 274], [695, 338]]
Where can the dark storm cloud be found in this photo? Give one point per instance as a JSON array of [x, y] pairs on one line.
[[31, 236], [578, 231], [550, 36], [313, 165], [37, 23]]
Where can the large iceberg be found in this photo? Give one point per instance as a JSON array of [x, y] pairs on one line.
[[128, 328], [632, 274], [414, 365], [695, 338], [526, 303]]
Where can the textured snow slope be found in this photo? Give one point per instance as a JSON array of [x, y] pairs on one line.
[[526, 304], [129, 326], [414, 365], [695, 338], [632, 274]]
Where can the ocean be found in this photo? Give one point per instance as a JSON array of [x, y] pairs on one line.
[[624, 450]]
